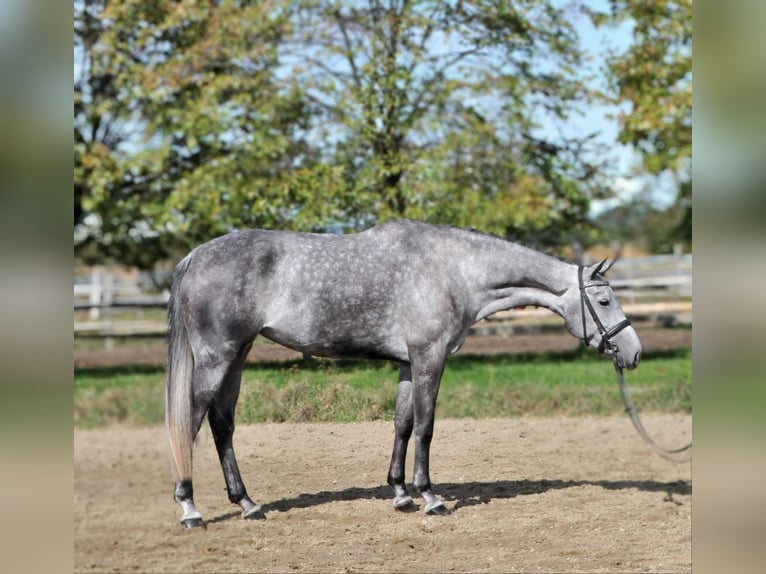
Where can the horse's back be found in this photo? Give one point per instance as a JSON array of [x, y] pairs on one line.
[[260, 248], [326, 293]]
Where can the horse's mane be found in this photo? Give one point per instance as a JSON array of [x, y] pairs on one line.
[[491, 235]]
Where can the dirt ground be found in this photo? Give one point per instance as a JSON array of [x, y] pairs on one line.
[[527, 495]]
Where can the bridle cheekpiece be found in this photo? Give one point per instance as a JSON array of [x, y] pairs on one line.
[[606, 344]]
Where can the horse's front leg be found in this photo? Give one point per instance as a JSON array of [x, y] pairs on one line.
[[403, 421], [427, 372]]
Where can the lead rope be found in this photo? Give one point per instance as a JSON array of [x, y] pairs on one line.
[[633, 411], [607, 344]]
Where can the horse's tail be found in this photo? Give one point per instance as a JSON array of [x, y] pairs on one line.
[[178, 382]]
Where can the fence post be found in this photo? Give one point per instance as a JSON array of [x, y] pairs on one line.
[[577, 252], [95, 293], [108, 299], [678, 252]]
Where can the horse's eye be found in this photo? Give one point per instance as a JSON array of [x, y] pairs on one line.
[[603, 302]]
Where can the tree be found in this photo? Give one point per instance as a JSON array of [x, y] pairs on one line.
[[194, 119], [180, 131], [653, 76], [641, 224], [433, 110]]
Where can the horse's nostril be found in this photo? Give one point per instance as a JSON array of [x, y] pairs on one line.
[[637, 358]]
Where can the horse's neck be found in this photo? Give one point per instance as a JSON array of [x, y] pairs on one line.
[[509, 275]]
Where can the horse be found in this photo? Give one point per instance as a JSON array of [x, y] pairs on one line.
[[403, 291]]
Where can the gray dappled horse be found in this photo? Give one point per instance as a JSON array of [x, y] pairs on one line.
[[404, 291]]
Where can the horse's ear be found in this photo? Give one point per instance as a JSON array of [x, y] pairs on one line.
[[601, 268]]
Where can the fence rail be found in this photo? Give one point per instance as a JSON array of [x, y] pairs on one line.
[[654, 289]]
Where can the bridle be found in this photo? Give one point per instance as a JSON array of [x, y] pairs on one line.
[[606, 344], [610, 347]]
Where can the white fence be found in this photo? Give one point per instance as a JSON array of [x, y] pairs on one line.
[[102, 289], [657, 289], [110, 305], [666, 277]]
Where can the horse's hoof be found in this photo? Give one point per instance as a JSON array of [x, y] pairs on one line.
[[190, 523], [254, 513], [403, 502], [438, 509]]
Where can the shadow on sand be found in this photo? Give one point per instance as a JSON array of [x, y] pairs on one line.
[[467, 494]]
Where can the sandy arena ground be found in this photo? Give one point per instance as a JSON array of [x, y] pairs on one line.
[[528, 495]]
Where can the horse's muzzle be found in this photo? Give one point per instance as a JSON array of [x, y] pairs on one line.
[[636, 360]]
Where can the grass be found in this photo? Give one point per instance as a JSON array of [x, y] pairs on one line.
[[548, 384]]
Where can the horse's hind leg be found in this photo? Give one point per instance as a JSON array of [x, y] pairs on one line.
[[207, 381], [403, 422], [221, 418]]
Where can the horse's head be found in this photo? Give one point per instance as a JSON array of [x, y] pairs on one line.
[[597, 318]]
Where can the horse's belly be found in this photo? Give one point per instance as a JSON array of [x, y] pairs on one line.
[[351, 347]]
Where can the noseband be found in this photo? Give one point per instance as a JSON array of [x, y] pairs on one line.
[[606, 343]]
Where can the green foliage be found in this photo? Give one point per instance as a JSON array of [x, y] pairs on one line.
[[181, 133], [654, 75], [433, 109], [640, 223], [193, 119], [654, 78]]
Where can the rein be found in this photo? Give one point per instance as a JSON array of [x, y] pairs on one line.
[[633, 411], [606, 345]]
